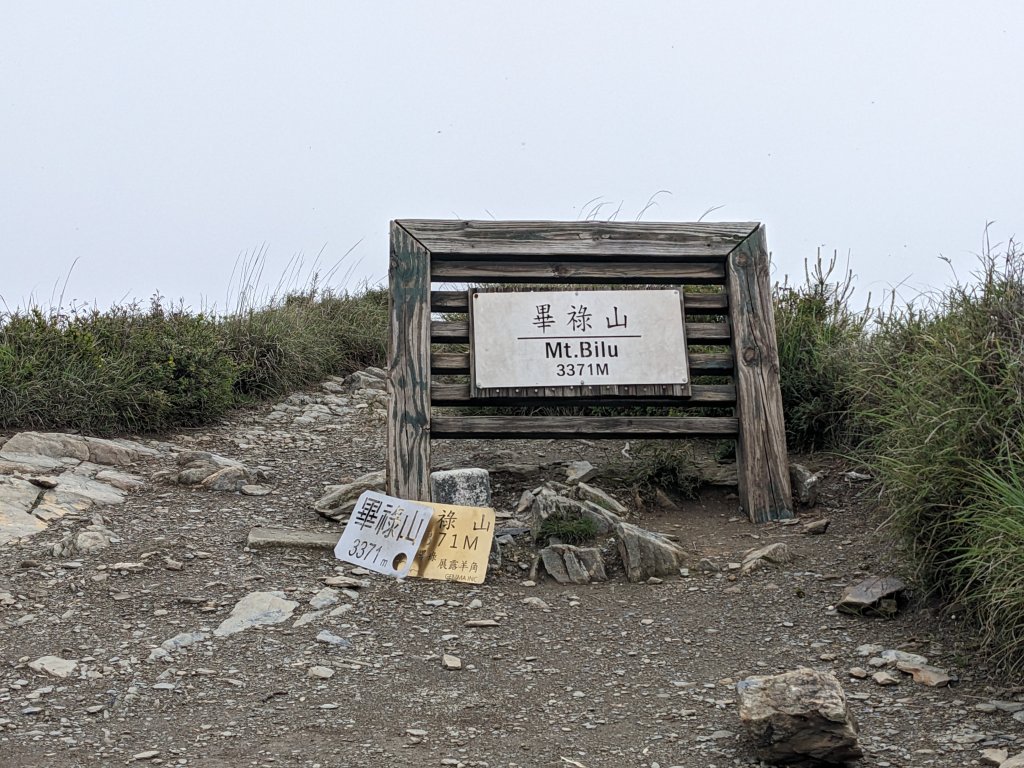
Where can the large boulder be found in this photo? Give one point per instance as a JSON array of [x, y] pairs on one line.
[[57, 445], [338, 501], [567, 564], [645, 553], [799, 716]]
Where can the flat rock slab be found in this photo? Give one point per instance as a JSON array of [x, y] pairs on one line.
[[256, 609], [57, 445], [266, 538], [876, 595]]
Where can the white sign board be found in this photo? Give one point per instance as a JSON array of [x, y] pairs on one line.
[[384, 533], [578, 338]]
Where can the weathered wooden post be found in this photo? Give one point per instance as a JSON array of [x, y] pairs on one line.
[[408, 440], [762, 460]]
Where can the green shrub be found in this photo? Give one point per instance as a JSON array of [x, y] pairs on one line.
[[134, 370], [667, 464], [988, 565], [818, 337], [940, 394], [568, 529]]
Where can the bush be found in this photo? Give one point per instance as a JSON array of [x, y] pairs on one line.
[[134, 370], [818, 337], [940, 396]]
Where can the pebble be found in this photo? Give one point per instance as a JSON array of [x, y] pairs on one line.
[[451, 662], [320, 672]]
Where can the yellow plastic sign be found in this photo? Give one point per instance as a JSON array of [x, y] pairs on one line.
[[456, 544]]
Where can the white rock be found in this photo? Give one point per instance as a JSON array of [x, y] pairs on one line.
[[256, 609], [54, 665], [325, 598], [451, 662]]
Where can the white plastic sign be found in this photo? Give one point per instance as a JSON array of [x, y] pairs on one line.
[[384, 533]]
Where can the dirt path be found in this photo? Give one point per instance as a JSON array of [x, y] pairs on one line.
[[601, 676]]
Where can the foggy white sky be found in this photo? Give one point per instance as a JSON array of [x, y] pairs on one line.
[[155, 142]]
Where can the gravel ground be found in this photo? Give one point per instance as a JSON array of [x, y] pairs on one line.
[[600, 676]]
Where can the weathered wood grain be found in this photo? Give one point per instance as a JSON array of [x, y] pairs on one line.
[[586, 272], [701, 363], [407, 449], [593, 239], [594, 427], [701, 396], [457, 332], [696, 303], [763, 464]]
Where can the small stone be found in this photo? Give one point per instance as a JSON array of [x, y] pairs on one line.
[[475, 603], [451, 662], [321, 673], [255, 490], [885, 678], [325, 598], [924, 674], [579, 472], [994, 756], [482, 623], [858, 672], [464, 487], [149, 754], [329, 638], [894, 657], [805, 484], [816, 527], [535, 602]]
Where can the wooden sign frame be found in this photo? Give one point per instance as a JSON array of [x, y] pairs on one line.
[[733, 256]]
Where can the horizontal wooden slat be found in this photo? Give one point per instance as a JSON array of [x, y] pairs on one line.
[[695, 303], [457, 332], [588, 272], [703, 396], [567, 239], [638, 427], [449, 301], [701, 363]]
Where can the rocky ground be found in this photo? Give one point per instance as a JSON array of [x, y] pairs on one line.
[[123, 562]]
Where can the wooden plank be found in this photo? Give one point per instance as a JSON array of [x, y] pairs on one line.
[[701, 363], [586, 272], [696, 303], [761, 448], [449, 301], [457, 332], [566, 239], [686, 388], [407, 452], [701, 396], [597, 427]]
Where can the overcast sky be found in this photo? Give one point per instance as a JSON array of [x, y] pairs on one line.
[[150, 144]]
